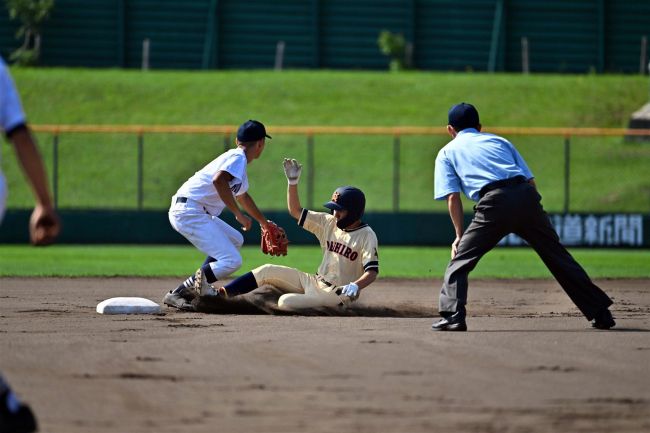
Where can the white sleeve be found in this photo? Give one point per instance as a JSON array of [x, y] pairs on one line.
[[235, 165], [11, 111]]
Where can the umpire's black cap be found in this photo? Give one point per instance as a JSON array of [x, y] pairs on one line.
[[251, 130], [463, 116]]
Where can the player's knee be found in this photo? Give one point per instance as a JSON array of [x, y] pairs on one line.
[[238, 241], [287, 301], [263, 272], [230, 265]]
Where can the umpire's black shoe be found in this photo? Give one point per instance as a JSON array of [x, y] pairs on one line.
[[455, 322], [603, 320]]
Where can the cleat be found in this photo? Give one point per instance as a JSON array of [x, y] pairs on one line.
[[175, 300], [454, 322], [202, 287]]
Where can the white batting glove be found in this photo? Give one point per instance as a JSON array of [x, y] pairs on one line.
[[292, 170], [351, 290]]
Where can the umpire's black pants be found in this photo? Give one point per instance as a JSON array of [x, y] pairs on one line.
[[517, 209]]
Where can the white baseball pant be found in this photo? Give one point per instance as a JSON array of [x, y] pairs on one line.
[[306, 290], [209, 234]]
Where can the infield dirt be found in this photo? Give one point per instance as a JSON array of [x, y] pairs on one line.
[[529, 363]]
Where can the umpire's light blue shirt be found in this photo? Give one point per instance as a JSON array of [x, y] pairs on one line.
[[472, 160]]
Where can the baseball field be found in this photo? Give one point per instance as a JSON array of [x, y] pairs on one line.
[[529, 363]]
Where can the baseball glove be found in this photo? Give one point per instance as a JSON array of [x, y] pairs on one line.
[[274, 240]]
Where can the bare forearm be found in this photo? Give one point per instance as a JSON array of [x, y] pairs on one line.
[[366, 279], [32, 164], [249, 206], [455, 207], [293, 201]]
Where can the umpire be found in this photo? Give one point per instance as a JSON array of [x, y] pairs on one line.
[[489, 170]]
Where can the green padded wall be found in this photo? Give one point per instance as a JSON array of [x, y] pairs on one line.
[[574, 36]]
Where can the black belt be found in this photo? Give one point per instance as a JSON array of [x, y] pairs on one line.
[[503, 183], [328, 284], [185, 199], [322, 280]]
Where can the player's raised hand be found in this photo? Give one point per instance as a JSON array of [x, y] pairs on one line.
[[292, 170]]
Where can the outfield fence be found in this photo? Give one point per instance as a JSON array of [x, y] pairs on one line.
[[310, 133]]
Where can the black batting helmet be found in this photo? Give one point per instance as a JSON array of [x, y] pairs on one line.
[[350, 199]]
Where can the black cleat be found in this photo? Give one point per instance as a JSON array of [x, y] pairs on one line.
[[603, 320], [181, 299], [21, 420], [455, 322]]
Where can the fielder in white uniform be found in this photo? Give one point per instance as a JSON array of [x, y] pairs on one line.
[[44, 225], [350, 259], [197, 204]]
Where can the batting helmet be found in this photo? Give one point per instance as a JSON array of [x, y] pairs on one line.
[[350, 199]]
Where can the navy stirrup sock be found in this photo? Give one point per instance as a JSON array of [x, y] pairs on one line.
[[189, 282], [209, 275], [244, 284]]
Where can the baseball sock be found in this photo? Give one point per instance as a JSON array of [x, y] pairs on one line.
[[209, 274], [189, 282], [241, 285]]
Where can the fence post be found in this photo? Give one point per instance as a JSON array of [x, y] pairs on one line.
[[146, 47], [279, 55], [310, 171], [55, 169], [496, 30], [140, 169], [396, 173], [642, 59], [567, 169], [525, 61]]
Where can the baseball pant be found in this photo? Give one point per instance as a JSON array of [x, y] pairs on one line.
[[212, 236], [517, 209], [305, 290]]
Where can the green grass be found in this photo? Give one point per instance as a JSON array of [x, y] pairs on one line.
[[324, 97], [402, 262], [99, 170]]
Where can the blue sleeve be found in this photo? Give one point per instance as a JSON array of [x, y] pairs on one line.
[[446, 181], [519, 160], [11, 110]]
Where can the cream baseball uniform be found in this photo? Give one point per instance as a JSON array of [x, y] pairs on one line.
[[11, 117], [196, 207], [347, 254]]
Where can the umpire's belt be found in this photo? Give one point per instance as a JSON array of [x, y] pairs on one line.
[[503, 183]]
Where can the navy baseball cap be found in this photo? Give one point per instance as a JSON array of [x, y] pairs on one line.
[[251, 130], [463, 116], [348, 198]]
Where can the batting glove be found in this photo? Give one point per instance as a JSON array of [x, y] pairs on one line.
[[292, 170], [351, 290]]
